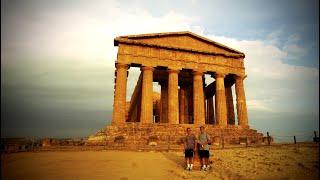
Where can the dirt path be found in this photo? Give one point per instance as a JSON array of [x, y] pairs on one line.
[[281, 162]]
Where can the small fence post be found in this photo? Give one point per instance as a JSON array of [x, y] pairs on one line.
[[315, 136], [268, 138], [294, 138]]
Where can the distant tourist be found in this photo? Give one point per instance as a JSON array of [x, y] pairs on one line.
[[204, 142], [189, 146]]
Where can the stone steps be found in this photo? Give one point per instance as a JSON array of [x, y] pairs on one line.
[[158, 136]]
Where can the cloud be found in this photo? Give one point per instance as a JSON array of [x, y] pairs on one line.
[[273, 85], [294, 38], [83, 34], [274, 37], [258, 105], [266, 61], [292, 47], [59, 64], [62, 58]]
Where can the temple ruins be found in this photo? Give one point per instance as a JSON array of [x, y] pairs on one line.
[[179, 62]]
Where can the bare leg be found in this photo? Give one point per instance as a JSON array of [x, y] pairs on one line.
[[206, 161], [202, 161]]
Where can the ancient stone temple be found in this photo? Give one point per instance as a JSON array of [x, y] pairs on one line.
[[179, 62]]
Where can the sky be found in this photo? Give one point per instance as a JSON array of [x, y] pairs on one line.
[[57, 60]]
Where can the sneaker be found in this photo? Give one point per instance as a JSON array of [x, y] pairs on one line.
[[208, 167], [203, 168], [188, 168]]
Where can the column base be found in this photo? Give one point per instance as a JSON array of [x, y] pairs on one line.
[[222, 126], [243, 127]]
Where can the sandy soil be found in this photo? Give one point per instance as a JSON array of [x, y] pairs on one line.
[[275, 162]]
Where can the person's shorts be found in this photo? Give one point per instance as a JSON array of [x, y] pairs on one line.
[[204, 154], [188, 153]]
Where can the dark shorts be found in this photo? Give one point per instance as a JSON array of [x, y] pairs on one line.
[[204, 154], [188, 153]]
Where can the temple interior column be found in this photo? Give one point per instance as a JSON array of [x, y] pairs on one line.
[[182, 105], [230, 107], [210, 110], [198, 99], [138, 115], [190, 105], [173, 102], [204, 100], [241, 103], [221, 106], [157, 111], [206, 110], [186, 105], [133, 115], [146, 97], [164, 103], [119, 106]]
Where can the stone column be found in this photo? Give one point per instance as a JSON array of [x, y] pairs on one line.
[[146, 97], [190, 105], [138, 117], [164, 103], [173, 102], [205, 110], [198, 99], [186, 106], [210, 110], [230, 107], [204, 100], [241, 103], [119, 104], [221, 106], [182, 105]]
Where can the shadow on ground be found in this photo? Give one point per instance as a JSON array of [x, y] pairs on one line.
[[180, 173], [174, 157]]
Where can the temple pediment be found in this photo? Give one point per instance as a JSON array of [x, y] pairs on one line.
[[185, 41]]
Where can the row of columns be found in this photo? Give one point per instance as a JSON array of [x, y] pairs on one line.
[[169, 112]]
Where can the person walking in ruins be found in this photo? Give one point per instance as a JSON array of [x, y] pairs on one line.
[[204, 142], [189, 146]]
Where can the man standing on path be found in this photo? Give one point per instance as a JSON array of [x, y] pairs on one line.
[[204, 141], [189, 146]]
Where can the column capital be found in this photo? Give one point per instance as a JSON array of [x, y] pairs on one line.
[[240, 76], [219, 75], [143, 68], [197, 73], [172, 71], [122, 66]]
